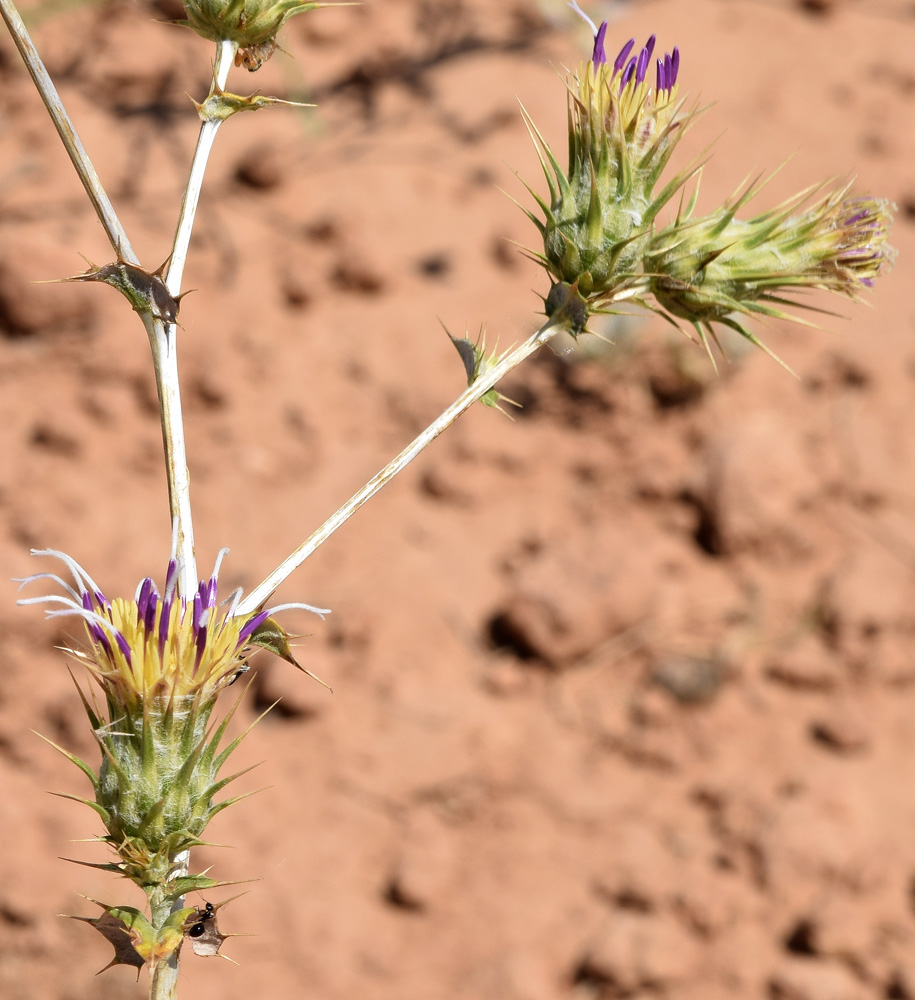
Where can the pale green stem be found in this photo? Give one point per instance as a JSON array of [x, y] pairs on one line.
[[471, 394], [66, 131], [163, 982], [163, 978]]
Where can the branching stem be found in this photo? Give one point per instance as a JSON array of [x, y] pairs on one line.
[[225, 54], [163, 342], [479, 388]]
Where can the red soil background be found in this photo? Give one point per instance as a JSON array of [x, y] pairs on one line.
[[624, 689]]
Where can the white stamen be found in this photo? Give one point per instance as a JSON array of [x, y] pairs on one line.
[[583, 15], [83, 580], [23, 580], [219, 558], [320, 612], [232, 600], [52, 598], [89, 616]]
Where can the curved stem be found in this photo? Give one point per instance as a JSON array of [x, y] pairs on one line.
[[225, 54], [65, 129], [467, 398]]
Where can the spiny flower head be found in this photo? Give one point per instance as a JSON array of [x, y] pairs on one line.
[[624, 124], [161, 660], [159, 647], [711, 269]]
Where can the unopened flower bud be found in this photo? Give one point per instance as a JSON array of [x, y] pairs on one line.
[[253, 24], [624, 123], [710, 269]]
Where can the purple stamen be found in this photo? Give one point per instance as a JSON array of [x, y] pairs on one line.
[[171, 578], [199, 599], [599, 55], [149, 618], [164, 619], [628, 74], [661, 78], [123, 646], [620, 61], [642, 66], [250, 626], [200, 643], [143, 595], [860, 216], [644, 60], [674, 68]]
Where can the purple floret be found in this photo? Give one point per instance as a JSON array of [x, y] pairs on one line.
[[667, 71], [200, 643], [620, 60], [599, 55], [149, 616], [642, 66], [123, 645], [164, 620], [171, 577], [143, 596], [250, 626]]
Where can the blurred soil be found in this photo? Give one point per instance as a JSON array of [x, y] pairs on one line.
[[624, 689]]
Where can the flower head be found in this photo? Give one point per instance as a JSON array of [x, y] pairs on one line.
[[712, 269], [161, 660], [158, 646], [603, 243]]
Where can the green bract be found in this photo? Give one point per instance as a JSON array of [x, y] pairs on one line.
[[247, 22], [601, 210]]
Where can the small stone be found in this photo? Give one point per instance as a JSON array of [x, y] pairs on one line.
[[259, 168], [689, 679], [805, 666], [841, 731], [423, 871]]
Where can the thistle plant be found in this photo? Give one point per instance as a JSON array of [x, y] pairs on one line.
[[616, 227]]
